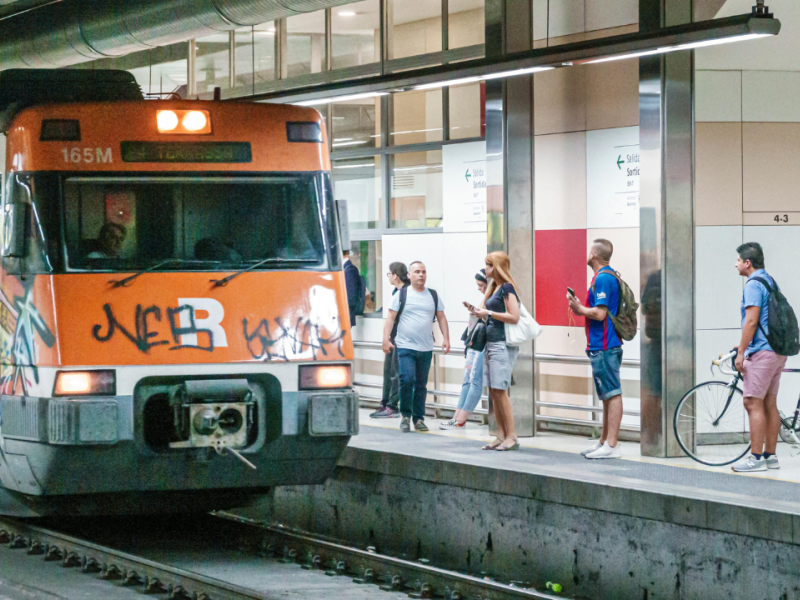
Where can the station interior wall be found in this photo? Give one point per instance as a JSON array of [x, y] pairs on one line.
[[747, 149]]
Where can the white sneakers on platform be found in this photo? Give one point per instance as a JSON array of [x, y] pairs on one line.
[[597, 445], [605, 451]]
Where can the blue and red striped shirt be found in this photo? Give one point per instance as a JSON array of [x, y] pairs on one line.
[[603, 291]]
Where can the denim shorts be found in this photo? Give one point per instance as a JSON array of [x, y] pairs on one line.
[[498, 364], [605, 371]]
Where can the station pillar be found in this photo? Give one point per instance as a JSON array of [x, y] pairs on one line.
[[510, 183], [666, 229]]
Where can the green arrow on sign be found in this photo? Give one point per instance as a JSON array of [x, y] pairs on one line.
[[620, 162], [467, 176]]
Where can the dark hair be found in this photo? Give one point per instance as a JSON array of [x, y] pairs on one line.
[[107, 227], [605, 249], [481, 276], [753, 252], [399, 269]]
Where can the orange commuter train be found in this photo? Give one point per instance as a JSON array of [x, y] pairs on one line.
[[174, 325]]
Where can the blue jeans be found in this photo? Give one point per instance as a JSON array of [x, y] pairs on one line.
[[414, 369], [472, 388]]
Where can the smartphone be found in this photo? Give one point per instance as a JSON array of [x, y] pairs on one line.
[[468, 306], [570, 291]]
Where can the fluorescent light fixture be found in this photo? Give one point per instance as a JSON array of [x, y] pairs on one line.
[[342, 140], [516, 72], [320, 101], [347, 144], [354, 166], [346, 13], [418, 168], [689, 46], [641, 44]]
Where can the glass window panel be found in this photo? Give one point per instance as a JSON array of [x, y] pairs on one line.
[[359, 182], [465, 22], [306, 43], [367, 257], [357, 123], [212, 63], [356, 30], [163, 78], [467, 111], [255, 53], [415, 27], [416, 117], [416, 190]]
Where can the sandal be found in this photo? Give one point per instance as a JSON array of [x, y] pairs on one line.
[[493, 446], [503, 448]]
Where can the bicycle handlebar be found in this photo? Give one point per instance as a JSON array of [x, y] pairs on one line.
[[720, 362]]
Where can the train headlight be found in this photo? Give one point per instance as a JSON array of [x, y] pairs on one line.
[[323, 377], [85, 383], [183, 121], [167, 120], [194, 120]]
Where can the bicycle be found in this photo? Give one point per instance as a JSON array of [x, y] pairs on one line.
[[711, 423]]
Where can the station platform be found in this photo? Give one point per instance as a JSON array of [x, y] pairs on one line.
[[635, 527]]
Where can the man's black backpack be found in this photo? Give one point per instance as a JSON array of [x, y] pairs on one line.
[[403, 297], [783, 334], [361, 296]]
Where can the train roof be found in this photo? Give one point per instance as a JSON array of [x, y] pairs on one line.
[[23, 88]]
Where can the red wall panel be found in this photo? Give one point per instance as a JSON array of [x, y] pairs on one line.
[[560, 262]]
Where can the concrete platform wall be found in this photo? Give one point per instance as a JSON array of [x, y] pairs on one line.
[[597, 541]]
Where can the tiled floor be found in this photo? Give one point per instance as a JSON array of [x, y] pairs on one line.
[[789, 457]]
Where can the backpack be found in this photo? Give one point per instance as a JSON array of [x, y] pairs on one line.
[[783, 335], [361, 294], [625, 323], [403, 296]]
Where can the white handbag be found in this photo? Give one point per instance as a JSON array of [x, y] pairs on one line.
[[525, 329]]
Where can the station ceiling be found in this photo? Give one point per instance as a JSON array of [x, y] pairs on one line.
[[59, 33]]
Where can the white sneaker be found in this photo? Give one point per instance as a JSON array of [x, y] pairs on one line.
[[597, 446], [606, 451], [772, 462]]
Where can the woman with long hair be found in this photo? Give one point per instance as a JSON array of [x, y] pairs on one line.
[[398, 278], [501, 306], [472, 386]]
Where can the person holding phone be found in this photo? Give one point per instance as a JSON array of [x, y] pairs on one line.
[[501, 306], [472, 387]]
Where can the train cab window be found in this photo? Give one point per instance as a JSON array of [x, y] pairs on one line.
[[210, 223]]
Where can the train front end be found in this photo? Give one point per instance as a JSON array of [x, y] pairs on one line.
[[173, 317]]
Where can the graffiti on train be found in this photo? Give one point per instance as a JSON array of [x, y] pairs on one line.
[[20, 321], [317, 335], [186, 329]]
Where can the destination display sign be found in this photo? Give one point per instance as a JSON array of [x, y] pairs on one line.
[[187, 152]]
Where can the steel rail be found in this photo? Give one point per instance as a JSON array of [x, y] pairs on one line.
[[419, 579], [115, 565]]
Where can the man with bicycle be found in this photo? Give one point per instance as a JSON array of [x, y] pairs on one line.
[[758, 362]]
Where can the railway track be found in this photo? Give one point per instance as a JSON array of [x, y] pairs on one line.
[[97, 549]]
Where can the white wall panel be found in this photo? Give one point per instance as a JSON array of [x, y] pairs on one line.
[[709, 344], [770, 96], [560, 181], [464, 255], [427, 247], [565, 18], [718, 287], [604, 14], [718, 96], [780, 257]]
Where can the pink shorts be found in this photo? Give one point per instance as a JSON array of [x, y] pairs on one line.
[[762, 374]]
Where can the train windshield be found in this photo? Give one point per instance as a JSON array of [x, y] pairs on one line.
[[203, 223]]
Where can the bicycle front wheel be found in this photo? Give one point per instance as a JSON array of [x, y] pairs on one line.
[[711, 424]]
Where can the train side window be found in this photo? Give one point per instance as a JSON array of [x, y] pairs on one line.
[[23, 189]]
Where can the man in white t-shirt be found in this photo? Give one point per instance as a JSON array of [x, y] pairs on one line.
[[412, 334]]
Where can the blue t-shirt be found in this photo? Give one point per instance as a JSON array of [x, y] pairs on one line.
[[755, 294], [496, 330], [601, 335]]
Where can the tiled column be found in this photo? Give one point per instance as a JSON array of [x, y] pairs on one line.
[[509, 147], [666, 229]]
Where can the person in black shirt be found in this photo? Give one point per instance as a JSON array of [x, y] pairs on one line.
[[398, 277], [501, 307]]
